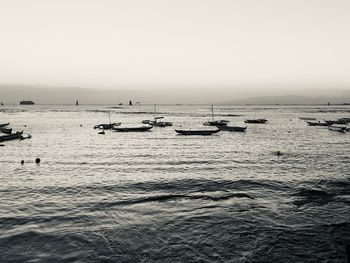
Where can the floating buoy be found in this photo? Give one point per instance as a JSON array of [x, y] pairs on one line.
[[37, 160], [22, 162]]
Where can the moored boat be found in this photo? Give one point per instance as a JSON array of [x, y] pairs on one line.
[[12, 136], [307, 118], [213, 122], [133, 129], [197, 132], [256, 121], [233, 128], [341, 129], [157, 120], [4, 124], [310, 123], [6, 130], [106, 126], [26, 102]]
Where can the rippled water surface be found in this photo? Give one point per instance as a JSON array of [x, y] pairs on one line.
[[161, 197]]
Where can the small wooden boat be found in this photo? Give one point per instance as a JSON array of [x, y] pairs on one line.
[[341, 129], [213, 122], [106, 126], [233, 128], [307, 118], [6, 130], [133, 129], [256, 121], [12, 136], [197, 132], [4, 125], [339, 121], [310, 123], [218, 123], [156, 120]]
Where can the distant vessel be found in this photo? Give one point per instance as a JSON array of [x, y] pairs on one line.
[[26, 102], [2, 104], [130, 103], [77, 103]]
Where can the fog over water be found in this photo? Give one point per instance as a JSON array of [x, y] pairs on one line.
[[164, 45]]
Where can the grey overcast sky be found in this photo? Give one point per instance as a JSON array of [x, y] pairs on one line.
[[175, 43]]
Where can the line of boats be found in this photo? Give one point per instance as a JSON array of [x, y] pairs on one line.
[[9, 135], [333, 125], [220, 125]]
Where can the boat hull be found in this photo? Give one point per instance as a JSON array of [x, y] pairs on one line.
[[132, 129], [197, 132]]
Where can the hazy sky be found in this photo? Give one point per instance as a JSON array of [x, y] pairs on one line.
[[183, 43]]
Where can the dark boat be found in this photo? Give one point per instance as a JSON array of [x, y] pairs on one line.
[[232, 128], [341, 129], [156, 120], [6, 130], [106, 126], [215, 123], [339, 121], [310, 123], [13, 136], [133, 129], [4, 124], [26, 102], [197, 132], [77, 103], [307, 118], [255, 121]]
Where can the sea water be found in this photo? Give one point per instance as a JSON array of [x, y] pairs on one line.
[[161, 197]]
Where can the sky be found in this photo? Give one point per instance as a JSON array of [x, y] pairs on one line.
[[238, 45]]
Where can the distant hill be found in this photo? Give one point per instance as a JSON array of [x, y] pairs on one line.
[[291, 99]]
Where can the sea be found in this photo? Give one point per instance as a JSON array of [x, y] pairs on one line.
[[162, 197]]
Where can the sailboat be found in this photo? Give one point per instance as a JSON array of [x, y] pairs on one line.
[[217, 123], [107, 126], [157, 120]]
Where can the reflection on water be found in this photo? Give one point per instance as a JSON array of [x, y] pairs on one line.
[[162, 197]]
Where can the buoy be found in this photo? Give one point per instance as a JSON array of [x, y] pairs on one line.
[[278, 153], [37, 160], [22, 162]]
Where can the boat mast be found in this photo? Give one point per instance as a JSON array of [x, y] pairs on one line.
[[154, 114]]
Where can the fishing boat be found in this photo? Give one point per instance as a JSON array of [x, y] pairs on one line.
[[107, 126], [12, 136], [233, 128], [217, 123], [133, 129], [4, 124], [307, 118], [197, 132], [6, 130], [338, 121], [256, 121], [157, 120], [310, 123], [26, 102], [341, 129]]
